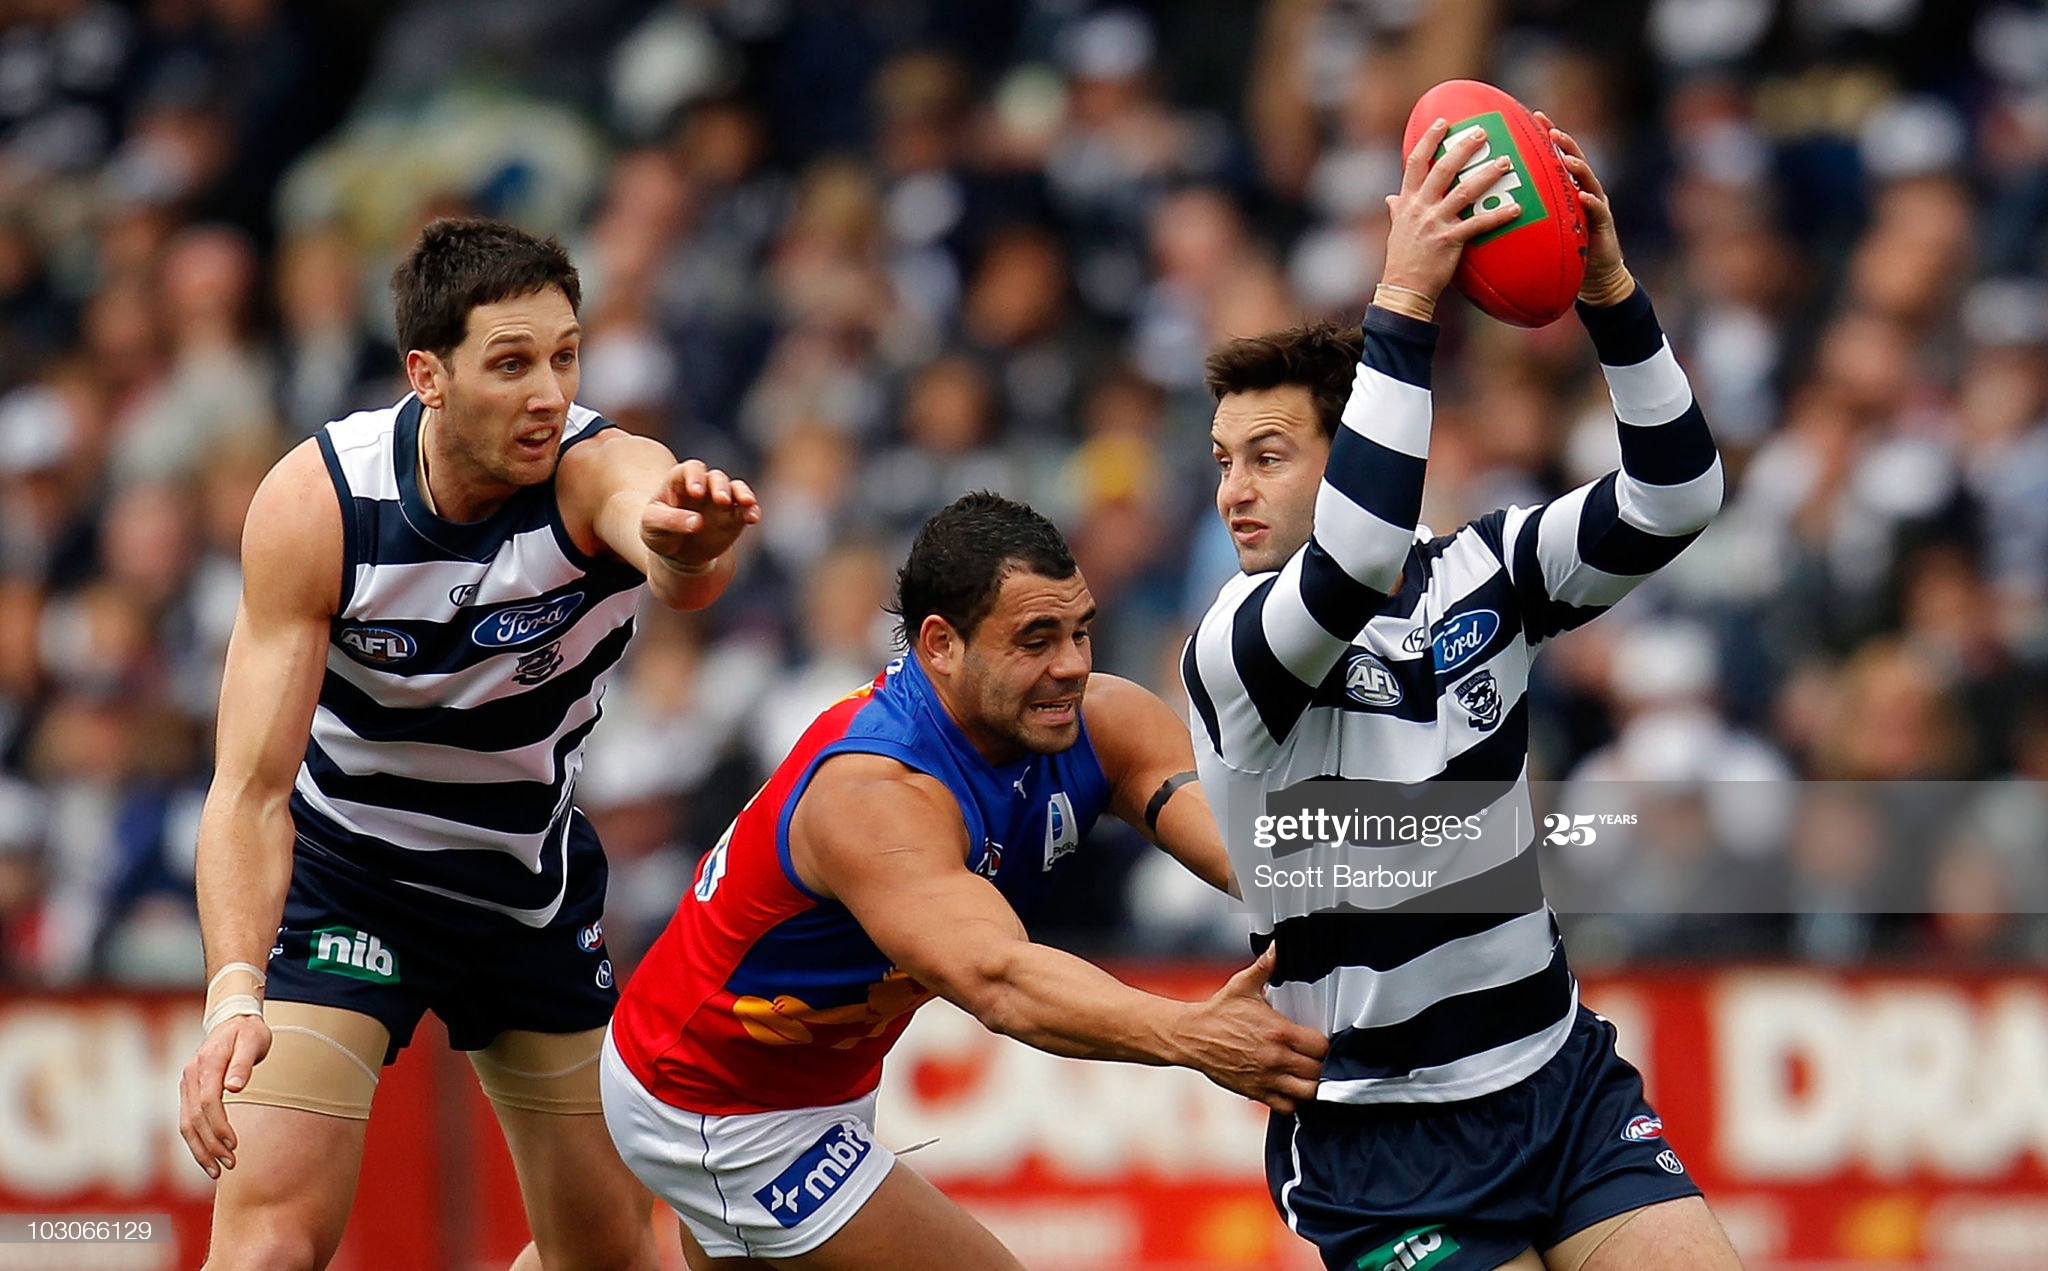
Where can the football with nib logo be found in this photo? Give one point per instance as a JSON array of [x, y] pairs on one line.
[[1527, 272]]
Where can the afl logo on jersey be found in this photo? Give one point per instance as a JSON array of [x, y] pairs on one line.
[[590, 937], [1368, 682], [377, 645], [508, 627]]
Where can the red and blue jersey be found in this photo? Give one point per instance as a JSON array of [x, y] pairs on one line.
[[762, 995]]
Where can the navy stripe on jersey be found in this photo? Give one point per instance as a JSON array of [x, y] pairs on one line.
[[1198, 696], [1463, 991], [1314, 945], [504, 723], [479, 633], [502, 807], [1454, 1027], [456, 874], [352, 521]]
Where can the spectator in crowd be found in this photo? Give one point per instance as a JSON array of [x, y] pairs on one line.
[[877, 255]]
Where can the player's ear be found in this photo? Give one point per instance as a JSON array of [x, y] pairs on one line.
[[940, 644], [428, 375]]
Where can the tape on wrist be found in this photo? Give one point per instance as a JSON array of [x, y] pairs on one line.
[[690, 571], [228, 1008], [250, 969], [1426, 303]]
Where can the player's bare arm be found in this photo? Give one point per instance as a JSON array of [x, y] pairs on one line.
[[889, 843], [1150, 762], [291, 584], [674, 522]]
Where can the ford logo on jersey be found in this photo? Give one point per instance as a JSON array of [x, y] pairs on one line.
[[378, 644], [1463, 637], [802, 1189], [508, 627], [1368, 682]]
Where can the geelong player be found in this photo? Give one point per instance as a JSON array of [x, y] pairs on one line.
[[891, 858], [1471, 1115], [433, 596]]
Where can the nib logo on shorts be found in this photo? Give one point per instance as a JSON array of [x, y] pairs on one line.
[[356, 954], [1416, 1250], [799, 1191]]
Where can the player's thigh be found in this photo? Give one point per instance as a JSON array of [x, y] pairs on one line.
[[583, 1204], [908, 1225], [1682, 1235], [284, 1205], [1526, 1260]]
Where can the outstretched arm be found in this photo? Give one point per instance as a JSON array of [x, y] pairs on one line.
[[1254, 664], [674, 522], [1146, 754], [1572, 558], [889, 844]]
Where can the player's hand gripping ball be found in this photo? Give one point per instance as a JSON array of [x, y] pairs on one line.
[[1527, 272]]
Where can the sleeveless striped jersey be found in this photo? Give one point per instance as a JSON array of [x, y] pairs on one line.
[[464, 670], [1382, 652]]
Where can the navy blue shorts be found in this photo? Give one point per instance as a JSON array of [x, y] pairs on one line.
[[393, 952], [1466, 1186]]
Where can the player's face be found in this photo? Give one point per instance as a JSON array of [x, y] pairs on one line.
[[1023, 673], [508, 385], [1270, 453]]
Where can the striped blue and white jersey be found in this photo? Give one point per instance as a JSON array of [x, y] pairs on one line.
[[465, 667], [1383, 652]]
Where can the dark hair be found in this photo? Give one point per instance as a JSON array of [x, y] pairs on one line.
[[963, 552], [1322, 358], [462, 262]]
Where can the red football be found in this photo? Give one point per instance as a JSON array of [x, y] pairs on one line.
[[1527, 272]]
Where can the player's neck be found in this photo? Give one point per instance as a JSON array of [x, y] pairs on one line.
[[453, 490]]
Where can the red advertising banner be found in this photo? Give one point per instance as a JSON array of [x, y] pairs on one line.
[[1838, 1119]]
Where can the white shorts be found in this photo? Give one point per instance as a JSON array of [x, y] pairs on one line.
[[762, 1185]]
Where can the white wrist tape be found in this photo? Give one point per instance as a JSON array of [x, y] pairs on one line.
[[234, 1003], [228, 1008], [251, 968]]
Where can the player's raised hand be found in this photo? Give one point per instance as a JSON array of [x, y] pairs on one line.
[[222, 1064], [1240, 1043], [697, 514], [1607, 279], [1429, 230]]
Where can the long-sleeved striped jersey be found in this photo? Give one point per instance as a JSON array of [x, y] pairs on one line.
[[1382, 652]]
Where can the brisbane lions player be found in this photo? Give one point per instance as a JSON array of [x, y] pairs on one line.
[[892, 858]]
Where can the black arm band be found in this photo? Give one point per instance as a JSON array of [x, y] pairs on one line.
[[1161, 795]]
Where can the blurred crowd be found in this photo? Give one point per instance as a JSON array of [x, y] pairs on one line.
[[871, 254]]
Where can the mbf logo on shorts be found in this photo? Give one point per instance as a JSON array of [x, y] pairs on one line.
[[518, 625], [1667, 1160], [802, 1189], [1643, 1129]]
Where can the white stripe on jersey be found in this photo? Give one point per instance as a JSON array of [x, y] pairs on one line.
[[1273, 704]]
